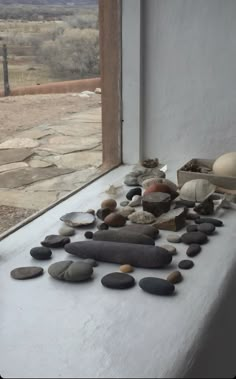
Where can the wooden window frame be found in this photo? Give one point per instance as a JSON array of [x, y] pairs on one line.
[[110, 67]]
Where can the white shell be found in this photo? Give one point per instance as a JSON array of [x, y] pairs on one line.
[[225, 165], [75, 219], [197, 190]]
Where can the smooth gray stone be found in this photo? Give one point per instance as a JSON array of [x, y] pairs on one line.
[[41, 253], [207, 228], [157, 286], [118, 280], [194, 237], [123, 236], [122, 253], [23, 273], [186, 264], [192, 228], [55, 241], [193, 250], [148, 230], [210, 220], [71, 271], [131, 180], [90, 261]]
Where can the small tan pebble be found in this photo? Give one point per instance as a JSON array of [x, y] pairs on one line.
[[126, 268], [171, 249], [175, 277], [173, 238], [92, 211], [109, 203]]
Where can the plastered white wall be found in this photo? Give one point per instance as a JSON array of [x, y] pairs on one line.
[[189, 94]]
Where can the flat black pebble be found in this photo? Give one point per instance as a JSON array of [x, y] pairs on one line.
[[88, 235], [23, 273], [194, 237], [193, 250], [186, 264], [102, 213], [133, 192], [210, 220], [157, 286], [41, 253], [55, 241], [206, 227], [192, 228], [118, 280], [103, 226]]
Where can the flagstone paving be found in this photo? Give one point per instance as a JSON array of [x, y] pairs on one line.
[[44, 163]]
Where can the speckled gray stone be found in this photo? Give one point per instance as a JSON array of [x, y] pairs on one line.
[[193, 250], [71, 271], [194, 237], [41, 253], [206, 227]]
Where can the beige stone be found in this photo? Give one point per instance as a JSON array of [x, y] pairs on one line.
[[16, 143], [35, 163], [77, 160], [27, 200], [14, 155], [12, 166], [126, 268]]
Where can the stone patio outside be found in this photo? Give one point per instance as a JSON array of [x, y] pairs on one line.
[[45, 162]]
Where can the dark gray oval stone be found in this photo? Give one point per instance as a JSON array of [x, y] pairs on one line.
[[210, 220], [103, 226], [193, 250], [41, 253], [22, 273], [55, 241], [88, 235], [118, 280], [207, 228], [194, 237], [71, 271], [157, 286], [186, 264], [175, 277], [133, 192], [102, 213], [192, 228]]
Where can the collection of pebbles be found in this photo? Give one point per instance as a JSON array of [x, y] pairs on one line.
[[126, 235]]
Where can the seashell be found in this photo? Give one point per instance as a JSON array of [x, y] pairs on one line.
[[197, 190], [142, 217], [225, 165], [75, 219], [148, 182]]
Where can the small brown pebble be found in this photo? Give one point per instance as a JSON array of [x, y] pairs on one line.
[[115, 220], [109, 203], [126, 268], [175, 277]]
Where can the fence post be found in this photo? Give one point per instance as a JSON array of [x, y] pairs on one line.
[[5, 71]]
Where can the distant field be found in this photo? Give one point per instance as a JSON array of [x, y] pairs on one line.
[[30, 43]]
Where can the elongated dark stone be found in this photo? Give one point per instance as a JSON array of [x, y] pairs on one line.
[[157, 286], [114, 252], [148, 230], [209, 220], [123, 236]]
